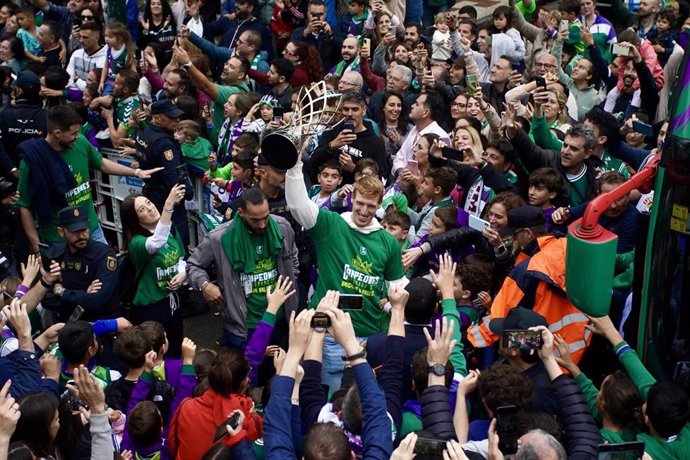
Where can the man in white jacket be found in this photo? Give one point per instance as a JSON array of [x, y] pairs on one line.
[[91, 56]]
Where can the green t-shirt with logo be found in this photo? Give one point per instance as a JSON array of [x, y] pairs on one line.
[[155, 271], [610, 163], [124, 109], [579, 185], [255, 284], [81, 158], [353, 262]]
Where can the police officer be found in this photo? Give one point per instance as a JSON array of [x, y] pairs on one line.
[[25, 120], [157, 147], [89, 272]]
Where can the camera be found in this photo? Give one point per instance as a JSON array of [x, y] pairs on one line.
[[7, 188], [320, 321]]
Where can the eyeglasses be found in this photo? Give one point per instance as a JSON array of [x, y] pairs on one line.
[[458, 104], [289, 53], [347, 83], [544, 65]]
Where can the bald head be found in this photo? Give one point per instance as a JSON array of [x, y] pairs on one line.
[[350, 81], [543, 63], [539, 444], [350, 48]]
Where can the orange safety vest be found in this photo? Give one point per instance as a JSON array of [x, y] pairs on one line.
[[538, 282]]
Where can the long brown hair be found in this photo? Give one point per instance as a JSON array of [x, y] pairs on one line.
[[310, 58], [118, 30]]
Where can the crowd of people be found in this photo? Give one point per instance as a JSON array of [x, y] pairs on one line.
[[400, 292]]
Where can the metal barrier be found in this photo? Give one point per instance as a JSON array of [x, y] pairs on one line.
[[110, 191]]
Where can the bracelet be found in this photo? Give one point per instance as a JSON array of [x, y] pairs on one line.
[[45, 284], [203, 285], [137, 171], [21, 290], [360, 355], [168, 210]]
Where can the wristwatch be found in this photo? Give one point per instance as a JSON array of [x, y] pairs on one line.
[[187, 66], [437, 369], [59, 291]]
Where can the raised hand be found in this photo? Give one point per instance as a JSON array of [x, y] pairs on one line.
[[405, 450], [86, 388], [469, 383], [445, 277], [188, 351], [9, 414], [441, 346], [283, 291], [31, 269], [300, 331]]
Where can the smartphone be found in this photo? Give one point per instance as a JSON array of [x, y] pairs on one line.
[[221, 431], [540, 81], [278, 113], [520, 67], [366, 43], [45, 260], [351, 302], [622, 451], [643, 128], [413, 167], [629, 110], [477, 302], [182, 174], [452, 154], [563, 25], [477, 223], [506, 428], [522, 339], [429, 448], [320, 320], [349, 125], [471, 84], [77, 313], [619, 50]]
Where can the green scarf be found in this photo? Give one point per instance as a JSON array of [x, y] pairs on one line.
[[240, 249]]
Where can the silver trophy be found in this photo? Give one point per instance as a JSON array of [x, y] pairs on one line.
[[317, 110]]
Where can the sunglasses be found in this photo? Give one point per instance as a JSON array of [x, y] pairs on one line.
[[87, 17]]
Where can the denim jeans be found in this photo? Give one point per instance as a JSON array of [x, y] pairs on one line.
[[333, 364], [234, 341]]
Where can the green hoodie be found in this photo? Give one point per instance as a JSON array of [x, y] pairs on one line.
[[196, 152]]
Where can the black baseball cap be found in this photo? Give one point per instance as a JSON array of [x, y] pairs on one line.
[[73, 218], [518, 318], [165, 107], [28, 82], [524, 217]]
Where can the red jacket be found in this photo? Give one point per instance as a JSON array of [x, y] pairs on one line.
[[195, 423]]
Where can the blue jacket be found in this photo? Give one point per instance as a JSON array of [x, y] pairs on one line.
[[24, 369], [230, 31], [377, 442]]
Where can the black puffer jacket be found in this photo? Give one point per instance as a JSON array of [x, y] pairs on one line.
[[581, 432]]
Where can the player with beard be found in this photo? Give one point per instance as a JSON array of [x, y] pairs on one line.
[[55, 173], [126, 101]]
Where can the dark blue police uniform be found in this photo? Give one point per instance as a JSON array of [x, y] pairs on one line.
[[97, 261], [155, 148]]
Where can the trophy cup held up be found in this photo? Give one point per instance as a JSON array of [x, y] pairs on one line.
[[317, 110]]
